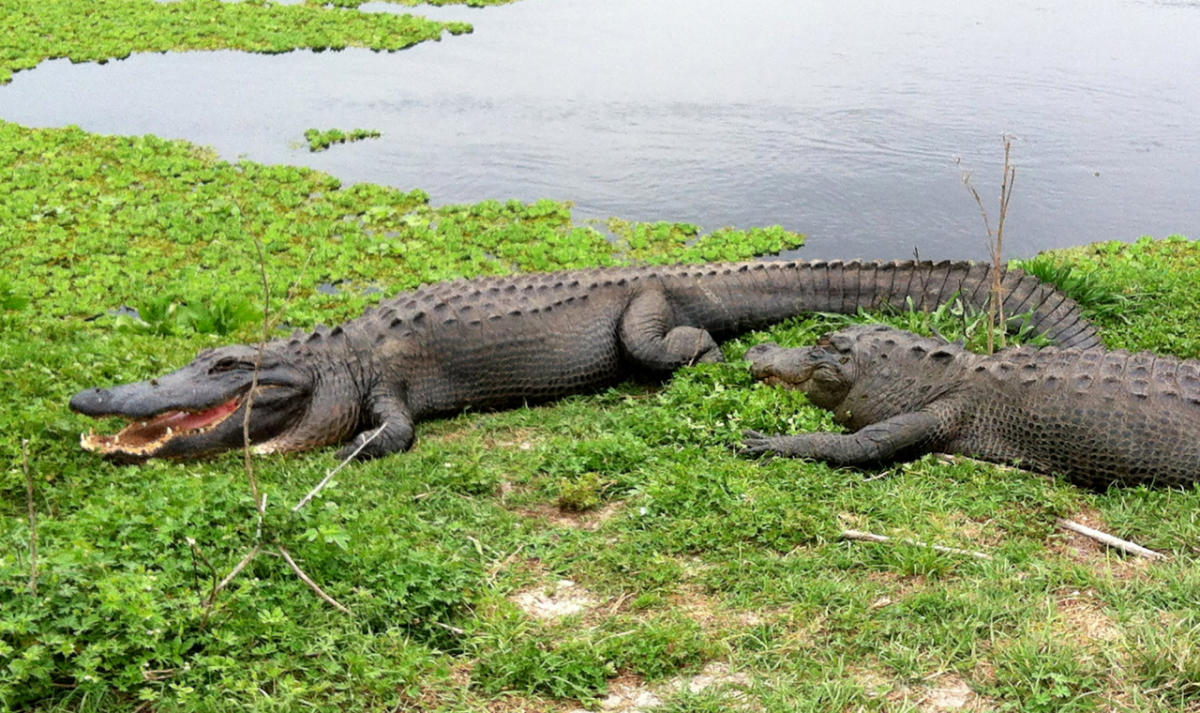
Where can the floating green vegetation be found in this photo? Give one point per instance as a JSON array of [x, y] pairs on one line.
[[683, 558], [412, 3], [320, 140], [100, 30]]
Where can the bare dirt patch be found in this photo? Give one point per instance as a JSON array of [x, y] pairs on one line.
[[950, 693], [1083, 618], [714, 674], [555, 601], [896, 587], [631, 694], [555, 516]]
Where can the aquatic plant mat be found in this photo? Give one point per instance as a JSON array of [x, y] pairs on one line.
[[608, 552], [102, 30]]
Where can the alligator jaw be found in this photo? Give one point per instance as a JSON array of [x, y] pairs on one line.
[[142, 439]]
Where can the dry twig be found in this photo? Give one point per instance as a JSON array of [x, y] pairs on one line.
[[237, 569], [266, 337], [883, 539], [199, 554], [33, 539], [1111, 540], [334, 471], [308, 580], [996, 242]]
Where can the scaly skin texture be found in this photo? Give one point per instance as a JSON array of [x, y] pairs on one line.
[[1094, 416], [497, 342]]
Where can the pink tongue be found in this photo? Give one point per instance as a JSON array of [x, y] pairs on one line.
[[182, 420]]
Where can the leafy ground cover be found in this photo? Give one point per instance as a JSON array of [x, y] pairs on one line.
[[606, 550], [101, 30], [667, 569]]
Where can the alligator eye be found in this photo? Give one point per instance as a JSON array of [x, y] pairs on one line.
[[230, 364]]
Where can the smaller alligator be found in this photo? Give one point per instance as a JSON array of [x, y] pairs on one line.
[[498, 342], [1095, 416]]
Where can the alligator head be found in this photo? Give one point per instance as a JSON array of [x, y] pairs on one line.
[[200, 409], [825, 372]]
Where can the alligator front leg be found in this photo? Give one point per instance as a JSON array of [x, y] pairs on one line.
[[651, 337], [877, 443], [391, 429]]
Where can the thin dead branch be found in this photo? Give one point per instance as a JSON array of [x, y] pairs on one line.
[[334, 471], [33, 537], [996, 243], [266, 337], [1111, 540], [233, 573], [199, 554], [311, 584], [448, 627], [884, 539], [495, 568]]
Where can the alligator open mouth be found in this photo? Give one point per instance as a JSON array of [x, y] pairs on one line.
[[141, 439]]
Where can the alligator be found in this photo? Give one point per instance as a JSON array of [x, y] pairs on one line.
[[496, 342], [1094, 416]]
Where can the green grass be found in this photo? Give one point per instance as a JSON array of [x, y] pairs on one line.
[[690, 554]]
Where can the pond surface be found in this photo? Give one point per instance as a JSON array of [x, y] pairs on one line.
[[841, 119]]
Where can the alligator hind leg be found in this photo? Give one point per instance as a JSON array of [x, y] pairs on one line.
[[651, 337]]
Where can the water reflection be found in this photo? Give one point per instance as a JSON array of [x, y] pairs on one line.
[[841, 119]]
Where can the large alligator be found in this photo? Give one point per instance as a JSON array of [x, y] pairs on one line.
[[496, 342], [1095, 416]]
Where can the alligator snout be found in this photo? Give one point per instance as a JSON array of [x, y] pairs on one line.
[[761, 358], [92, 402]]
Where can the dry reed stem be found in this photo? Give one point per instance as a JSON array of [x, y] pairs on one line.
[[198, 553], [1111, 540], [884, 539], [996, 243], [237, 569], [308, 580], [334, 471], [266, 335], [33, 538]]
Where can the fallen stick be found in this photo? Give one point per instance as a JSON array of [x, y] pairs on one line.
[[232, 574], [311, 584], [329, 475], [33, 543], [1111, 540], [883, 539]]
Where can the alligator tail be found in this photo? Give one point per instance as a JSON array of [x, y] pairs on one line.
[[790, 287]]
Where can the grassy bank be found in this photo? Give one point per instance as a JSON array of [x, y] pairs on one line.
[[682, 559]]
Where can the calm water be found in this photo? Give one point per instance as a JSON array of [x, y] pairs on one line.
[[838, 118]]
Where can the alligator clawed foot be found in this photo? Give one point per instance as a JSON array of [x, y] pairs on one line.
[[756, 445]]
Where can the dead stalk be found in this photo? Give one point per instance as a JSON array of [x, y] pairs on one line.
[[996, 243], [1111, 540], [199, 554], [233, 573], [329, 475], [33, 537], [884, 539], [260, 499], [266, 335], [311, 584]]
